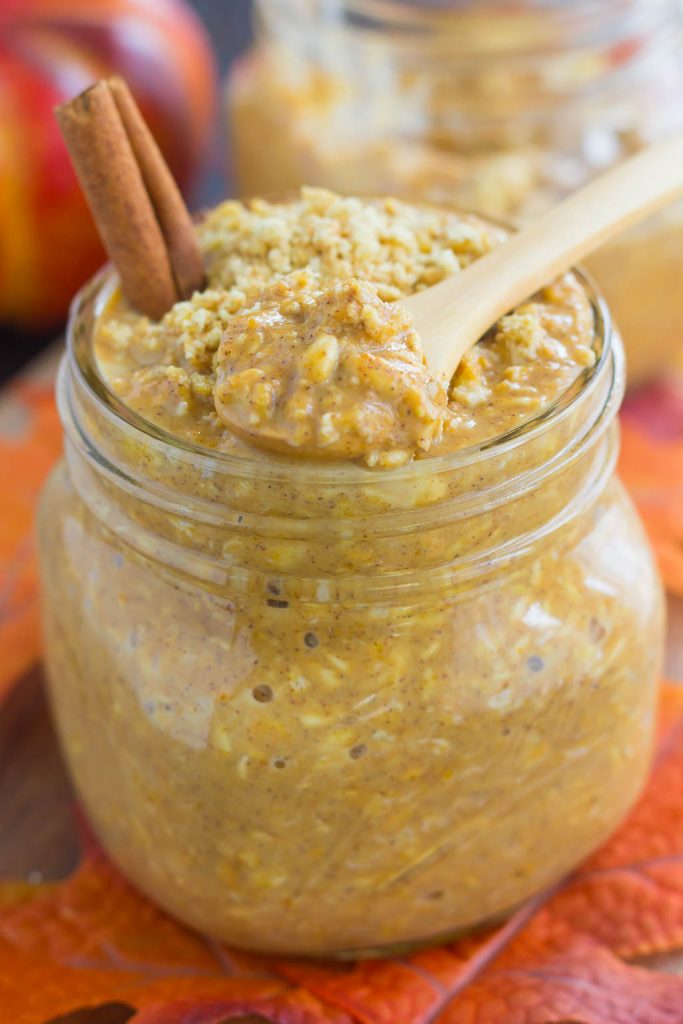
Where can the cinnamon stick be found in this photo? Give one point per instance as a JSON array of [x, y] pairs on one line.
[[173, 216], [139, 212]]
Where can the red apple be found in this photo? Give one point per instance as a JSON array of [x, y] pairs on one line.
[[49, 51]]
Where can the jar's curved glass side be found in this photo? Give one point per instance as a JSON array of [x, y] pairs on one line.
[[181, 713], [322, 562], [300, 767]]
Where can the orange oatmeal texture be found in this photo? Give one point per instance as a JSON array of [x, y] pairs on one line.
[[333, 372]]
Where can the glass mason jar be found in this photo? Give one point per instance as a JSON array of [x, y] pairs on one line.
[[489, 105], [318, 709]]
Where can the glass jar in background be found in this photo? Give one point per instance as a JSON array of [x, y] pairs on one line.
[[317, 709], [488, 105]]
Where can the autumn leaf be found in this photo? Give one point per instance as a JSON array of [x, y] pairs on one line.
[[30, 443], [93, 940], [552, 975]]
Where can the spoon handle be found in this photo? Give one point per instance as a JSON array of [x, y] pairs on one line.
[[454, 314]]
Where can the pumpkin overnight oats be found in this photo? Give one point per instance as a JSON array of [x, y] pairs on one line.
[[388, 681]]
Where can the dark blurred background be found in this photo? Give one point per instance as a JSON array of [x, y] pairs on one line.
[[229, 32], [228, 22]]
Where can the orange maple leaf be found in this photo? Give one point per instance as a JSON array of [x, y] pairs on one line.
[[93, 940], [30, 444]]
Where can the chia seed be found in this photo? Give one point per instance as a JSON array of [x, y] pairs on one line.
[[262, 693]]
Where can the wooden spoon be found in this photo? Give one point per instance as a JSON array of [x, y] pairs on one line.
[[451, 316]]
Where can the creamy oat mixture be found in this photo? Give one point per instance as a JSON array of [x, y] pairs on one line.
[[330, 372], [296, 345]]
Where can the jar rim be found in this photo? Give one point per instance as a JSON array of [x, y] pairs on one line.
[[91, 298], [589, 18], [583, 24]]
